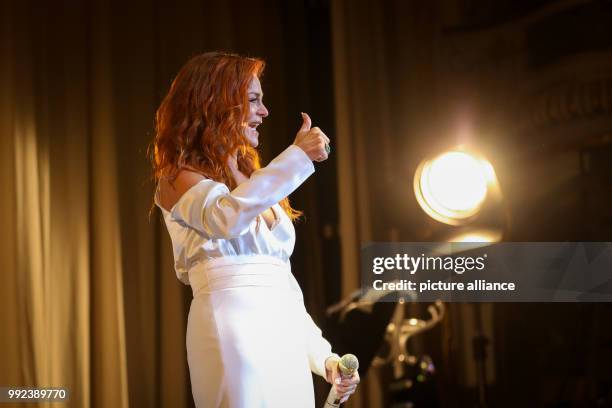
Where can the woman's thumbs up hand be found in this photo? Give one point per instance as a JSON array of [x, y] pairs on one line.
[[311, 140]]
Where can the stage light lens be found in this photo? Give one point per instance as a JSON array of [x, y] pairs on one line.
[[456, 181], [452, 187]]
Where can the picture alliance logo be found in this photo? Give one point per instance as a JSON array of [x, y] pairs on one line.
[[413, 264]]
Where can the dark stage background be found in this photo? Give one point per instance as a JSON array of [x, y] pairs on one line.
[[89, 298]]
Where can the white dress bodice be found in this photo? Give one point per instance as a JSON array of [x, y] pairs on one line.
[[209, 221]]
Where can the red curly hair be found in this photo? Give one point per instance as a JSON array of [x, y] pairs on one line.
[[200, 121]]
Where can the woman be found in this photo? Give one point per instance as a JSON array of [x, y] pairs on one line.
[[250, 341]]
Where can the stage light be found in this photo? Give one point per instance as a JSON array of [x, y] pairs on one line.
[[452, 187]]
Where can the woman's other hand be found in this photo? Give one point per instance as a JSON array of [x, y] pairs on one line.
[[344, 386], [311, 141]]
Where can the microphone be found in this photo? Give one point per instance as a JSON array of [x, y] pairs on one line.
[[347, 365]]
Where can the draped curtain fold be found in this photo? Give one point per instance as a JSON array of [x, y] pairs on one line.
[[61, 258], [381, 74], [363, 126]]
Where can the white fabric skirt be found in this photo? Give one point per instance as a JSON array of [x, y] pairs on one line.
[[246, 344]]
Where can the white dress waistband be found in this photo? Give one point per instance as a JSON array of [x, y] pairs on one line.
[[239, 271]]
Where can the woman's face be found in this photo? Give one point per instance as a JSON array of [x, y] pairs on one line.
[[257, 111]]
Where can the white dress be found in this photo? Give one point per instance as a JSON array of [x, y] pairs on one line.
[[250, 341]]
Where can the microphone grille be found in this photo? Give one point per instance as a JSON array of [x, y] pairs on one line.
[[348, 363]]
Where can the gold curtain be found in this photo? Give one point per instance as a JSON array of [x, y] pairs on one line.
[[381, 74], [63, 312], [363, 140], [73, 315]]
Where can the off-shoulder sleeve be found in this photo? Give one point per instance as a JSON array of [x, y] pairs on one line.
[[318, 348], [210, 208]]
